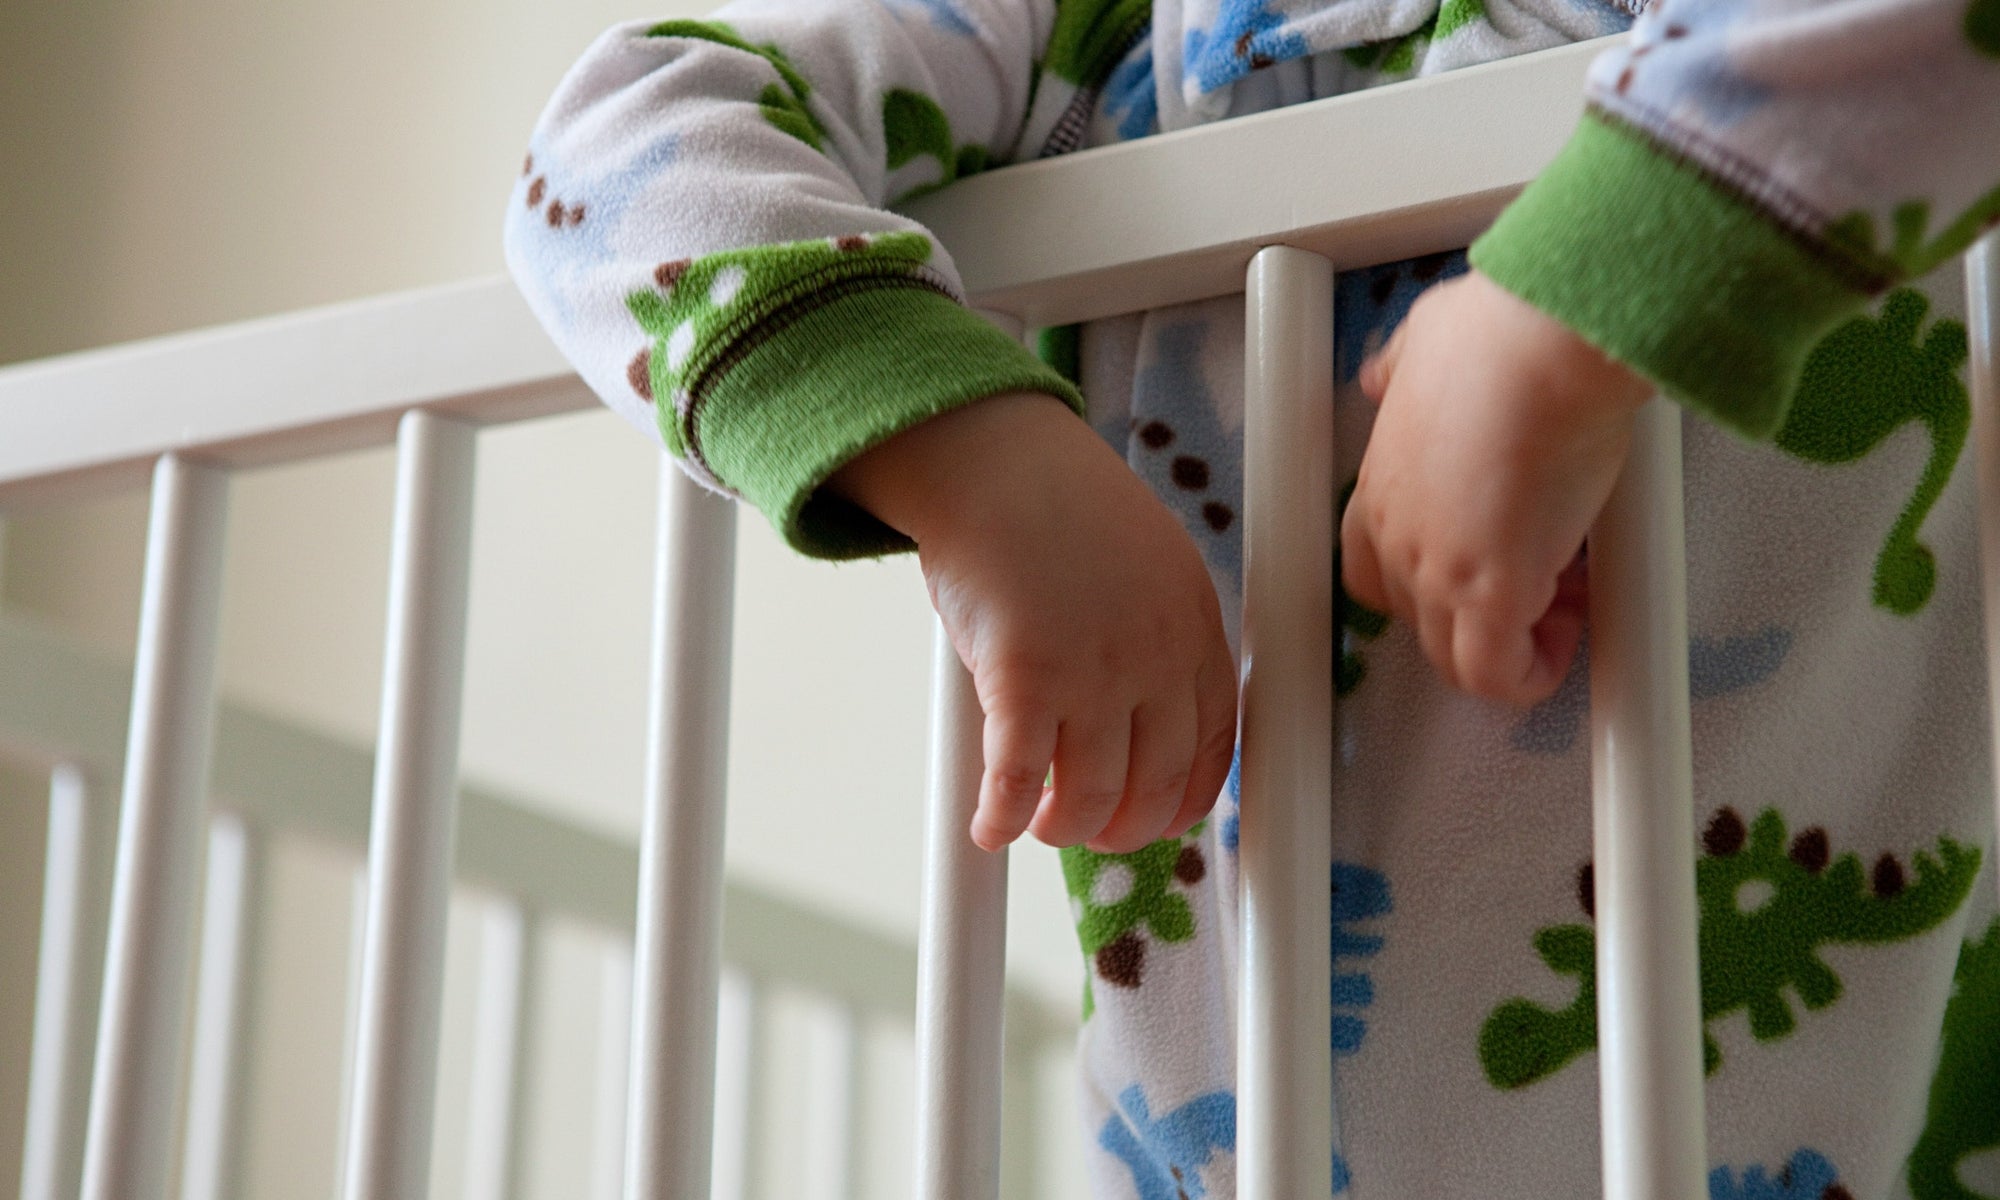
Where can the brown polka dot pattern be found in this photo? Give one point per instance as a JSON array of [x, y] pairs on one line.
[[1810, 850], [850, 243], [639, 373], [1725, 833], [1190, 473], [667, 274], [538, 188], [1122, 961], [1156, 435], [1888, 879], [1586, 888], [1218, 515], [1190, 868]]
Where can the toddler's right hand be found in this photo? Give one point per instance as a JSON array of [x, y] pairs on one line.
[[1083, 611]]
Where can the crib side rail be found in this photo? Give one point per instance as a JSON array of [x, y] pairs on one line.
[[339, 378]]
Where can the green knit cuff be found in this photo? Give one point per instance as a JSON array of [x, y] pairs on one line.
[[845, 377], [1673, 272]]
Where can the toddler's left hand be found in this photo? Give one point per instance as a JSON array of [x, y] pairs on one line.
[[1499, 436]]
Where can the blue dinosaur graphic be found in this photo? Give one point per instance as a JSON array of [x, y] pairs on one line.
[[1245, 37], [1717, 666], [943, 14], [1359, 894], [1368, 304], [1808, 1176], [1129, 96], [1231, 832], [1166, 1155]]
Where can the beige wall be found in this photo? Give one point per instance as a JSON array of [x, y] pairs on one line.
[[175, 164]]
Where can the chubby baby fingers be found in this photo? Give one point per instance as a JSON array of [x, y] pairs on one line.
[[1018, 750], [1092, 752], [1156, 779]]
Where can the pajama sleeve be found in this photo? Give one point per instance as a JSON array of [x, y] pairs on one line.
[[1748, 173], [701, 226]]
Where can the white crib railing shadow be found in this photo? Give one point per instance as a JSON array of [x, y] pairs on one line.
[[275, 781]]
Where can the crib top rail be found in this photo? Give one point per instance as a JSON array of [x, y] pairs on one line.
[[1051, 242]]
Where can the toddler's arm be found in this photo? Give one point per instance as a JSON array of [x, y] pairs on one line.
[[700, 224], [1083, 611], [1747, 175]]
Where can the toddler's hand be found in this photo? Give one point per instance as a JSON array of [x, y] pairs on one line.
[[1499, 436], [1081, 608]]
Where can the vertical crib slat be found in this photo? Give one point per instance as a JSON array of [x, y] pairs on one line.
[[1648, 977], [133, 1095], [412, 827], [502, 1031], [740, 1026], [679, 924], [1982, 309], [962, 957], [833, 1087], [1021, 1123], [350, 1029], [1284, 1054], [228, 955], [614, 1059], [69, 965]]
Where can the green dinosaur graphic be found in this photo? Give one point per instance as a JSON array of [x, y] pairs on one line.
[[784, 107], [1748, 957], [1454, 15], [1865, 380], [698, 309], [915, 125], [1091, 36], [1964, 1113], [1355, 618], [1908, 254], [1398, 56], [1112, 928]]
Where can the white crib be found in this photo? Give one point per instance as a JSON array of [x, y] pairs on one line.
[[1038, 244]]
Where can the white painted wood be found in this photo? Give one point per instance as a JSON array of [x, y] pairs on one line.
[[221, 1012], [1284, 1060], [614, 1073], [679, 919], [738, 1075], [1642, 781], [502, 1038], [137, 1069], [1169, 219], [1043, 240], [281, 388], [1982, 311], [410, 844], [69, 966], [350, 1032], [962, 956], [833, 1088]]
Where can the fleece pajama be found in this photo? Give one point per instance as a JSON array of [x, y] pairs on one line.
[[1753, 213]]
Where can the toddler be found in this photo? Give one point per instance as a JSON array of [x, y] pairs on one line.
[[701, 225]]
